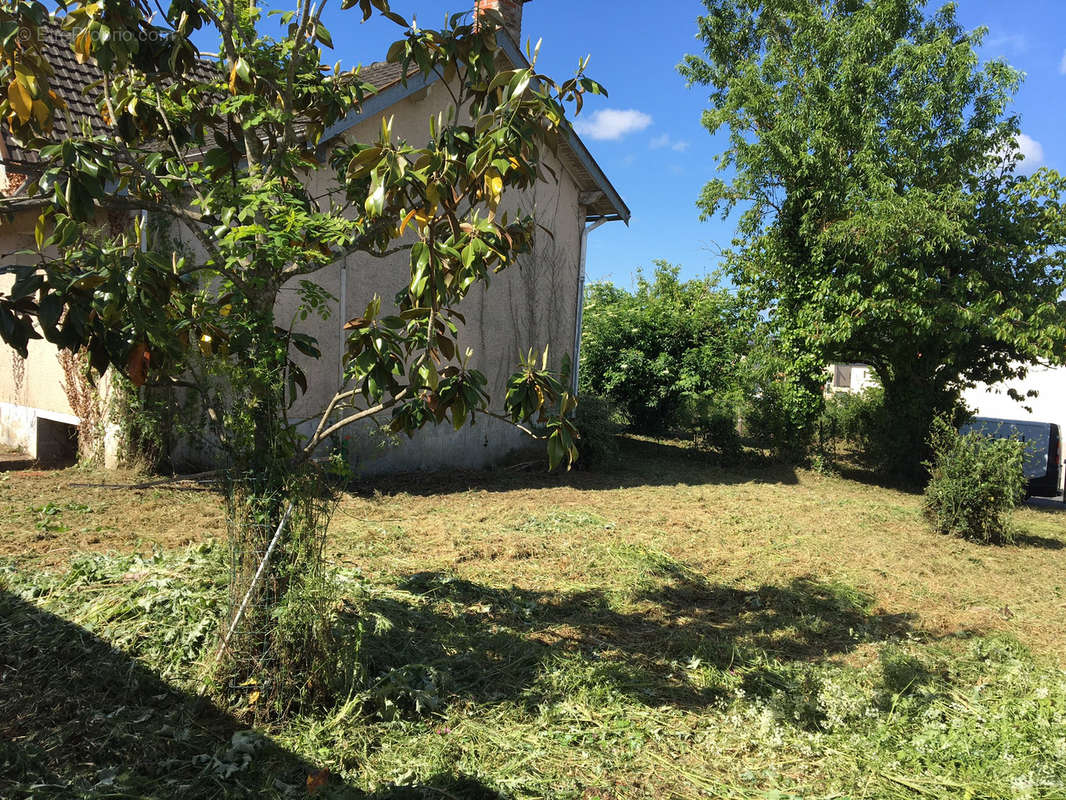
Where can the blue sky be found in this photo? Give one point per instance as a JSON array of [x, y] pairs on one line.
[[649, 139]]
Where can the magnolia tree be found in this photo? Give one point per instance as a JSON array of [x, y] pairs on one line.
[[224, 146], [886, 218]]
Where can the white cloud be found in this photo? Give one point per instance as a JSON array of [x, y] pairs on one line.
[[1032, 150], [1008, 41], [1062, 64], [612, 123], [665, 140]]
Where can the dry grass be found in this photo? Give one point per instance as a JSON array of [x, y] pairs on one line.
[[45, 518], [670, 629], [745, 527]]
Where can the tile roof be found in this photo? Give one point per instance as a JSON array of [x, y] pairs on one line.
[[79, 85]]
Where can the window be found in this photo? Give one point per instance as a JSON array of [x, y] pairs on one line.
[[841, 376]]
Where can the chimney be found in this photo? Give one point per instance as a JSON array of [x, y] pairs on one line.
[[511, 11]]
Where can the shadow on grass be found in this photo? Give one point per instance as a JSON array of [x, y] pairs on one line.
[[855, 467], [79, 718], [680, 641], [1045, 505], [641, 462], [1038, 542]]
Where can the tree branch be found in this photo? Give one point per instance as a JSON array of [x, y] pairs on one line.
[[321, 435]]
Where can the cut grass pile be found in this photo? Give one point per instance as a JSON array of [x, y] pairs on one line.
[[672, 630]]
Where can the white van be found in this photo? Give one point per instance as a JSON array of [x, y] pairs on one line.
[[1043, 449]]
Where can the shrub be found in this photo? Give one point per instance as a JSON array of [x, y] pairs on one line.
[[598, 427], [855, 419], [711, 418], [782, 399], [974, 483], [645, 350]]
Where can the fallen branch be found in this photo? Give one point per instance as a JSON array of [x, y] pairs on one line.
[[198, 476]]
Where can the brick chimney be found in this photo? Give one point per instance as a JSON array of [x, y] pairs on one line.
[[511, 11]]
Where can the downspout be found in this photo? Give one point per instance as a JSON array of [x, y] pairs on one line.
[[344, 321], [583, 251]]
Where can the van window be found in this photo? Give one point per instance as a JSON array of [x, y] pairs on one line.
[[1035, 435]]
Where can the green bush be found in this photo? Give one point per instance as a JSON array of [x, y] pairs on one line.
[[645, 350], [711, 418], [857, 421], [974, 483], [598, 428], [782, 399]]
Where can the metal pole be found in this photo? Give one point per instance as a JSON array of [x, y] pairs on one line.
[[255, 582]]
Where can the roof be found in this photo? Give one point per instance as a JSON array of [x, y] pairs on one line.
[[79, 85], [69, 82], [598, 195]]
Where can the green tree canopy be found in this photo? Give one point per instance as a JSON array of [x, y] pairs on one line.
[[648, 350], [885, 218]]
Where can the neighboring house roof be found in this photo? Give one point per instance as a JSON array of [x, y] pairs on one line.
[[79, 87]]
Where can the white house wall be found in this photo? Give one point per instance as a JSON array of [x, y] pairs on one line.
[[32, 389], [528, 305]]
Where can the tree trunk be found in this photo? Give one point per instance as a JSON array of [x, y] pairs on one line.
[[911, 402]]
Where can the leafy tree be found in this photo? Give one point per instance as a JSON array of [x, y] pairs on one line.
[[885, 219], [780, 405], [650, 350], [226, 147]]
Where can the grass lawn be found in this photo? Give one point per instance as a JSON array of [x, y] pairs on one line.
[[671, 628]]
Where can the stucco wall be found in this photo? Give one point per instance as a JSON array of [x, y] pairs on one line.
[[42, 387], [530, 304], [32, 388], [858, 378]]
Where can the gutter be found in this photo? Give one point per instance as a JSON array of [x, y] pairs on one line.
[[576, 359]]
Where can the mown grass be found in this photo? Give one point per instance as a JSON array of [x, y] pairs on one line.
[[674, 629]]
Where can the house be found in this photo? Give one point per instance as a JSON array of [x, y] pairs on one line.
[[534, 304], [850, 378]]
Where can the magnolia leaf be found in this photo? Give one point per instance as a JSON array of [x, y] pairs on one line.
[[21, 102], [375, 200], [406, 220], [83, 46], [396, 52], [137, 364], [317, 780]]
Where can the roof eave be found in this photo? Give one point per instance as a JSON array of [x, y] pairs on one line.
[[618, 210], [611, 208]]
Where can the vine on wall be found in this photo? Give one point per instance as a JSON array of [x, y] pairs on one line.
[[84, 400], [18, 373]]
